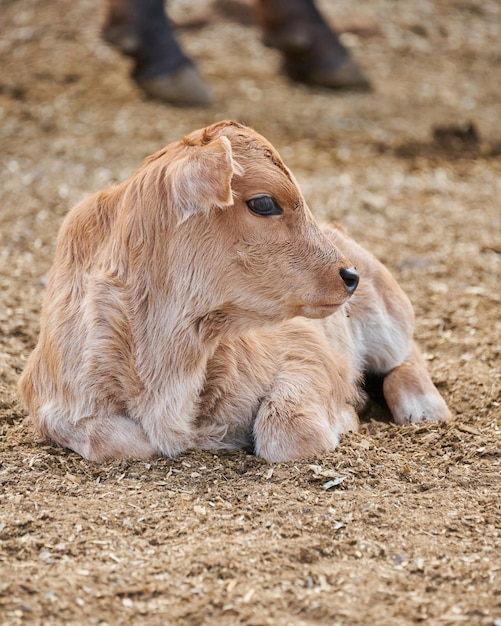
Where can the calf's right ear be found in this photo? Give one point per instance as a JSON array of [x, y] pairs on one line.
[[201, 179]]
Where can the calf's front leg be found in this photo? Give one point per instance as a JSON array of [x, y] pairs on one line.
[[410, 393]]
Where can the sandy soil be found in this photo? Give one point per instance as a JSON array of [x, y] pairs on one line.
[[401, 525]]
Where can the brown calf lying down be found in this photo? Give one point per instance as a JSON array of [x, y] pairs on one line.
[[199, 304]]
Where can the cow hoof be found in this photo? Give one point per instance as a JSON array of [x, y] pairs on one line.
[[181, 88], [346, 75]]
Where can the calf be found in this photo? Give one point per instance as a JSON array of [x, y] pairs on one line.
[[198, 304]]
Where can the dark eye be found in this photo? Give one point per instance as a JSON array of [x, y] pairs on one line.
[[264, 205]]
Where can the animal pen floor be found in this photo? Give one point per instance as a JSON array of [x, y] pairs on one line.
[[400, 525]]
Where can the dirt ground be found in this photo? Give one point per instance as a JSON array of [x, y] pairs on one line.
[[400, 525]]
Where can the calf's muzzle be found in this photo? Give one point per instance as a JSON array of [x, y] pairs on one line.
[[351, 278]]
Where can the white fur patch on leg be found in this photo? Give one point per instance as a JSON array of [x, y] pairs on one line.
[[424, 407]]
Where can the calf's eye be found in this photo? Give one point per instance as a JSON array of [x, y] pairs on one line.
[[264, 205]]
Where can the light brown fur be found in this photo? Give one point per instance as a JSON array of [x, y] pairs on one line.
[[175, 317]]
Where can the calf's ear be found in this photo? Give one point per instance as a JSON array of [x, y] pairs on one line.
[[201, 179]]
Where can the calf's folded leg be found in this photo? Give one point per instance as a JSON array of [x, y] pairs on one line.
[[309, 406], [410, 393], [102, 438]]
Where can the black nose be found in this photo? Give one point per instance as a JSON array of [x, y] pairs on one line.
[[351, 278]]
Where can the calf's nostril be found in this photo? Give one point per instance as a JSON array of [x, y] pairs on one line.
[[350, 277]]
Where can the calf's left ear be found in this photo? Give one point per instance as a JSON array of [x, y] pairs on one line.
[[201, 179]]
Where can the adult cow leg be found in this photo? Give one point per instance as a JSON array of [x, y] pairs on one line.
[[141, 29], [312, 51]]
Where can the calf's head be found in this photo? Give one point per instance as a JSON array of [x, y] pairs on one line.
[[239, 237]]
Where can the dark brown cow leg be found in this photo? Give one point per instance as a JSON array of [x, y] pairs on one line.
[[141, 29]]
